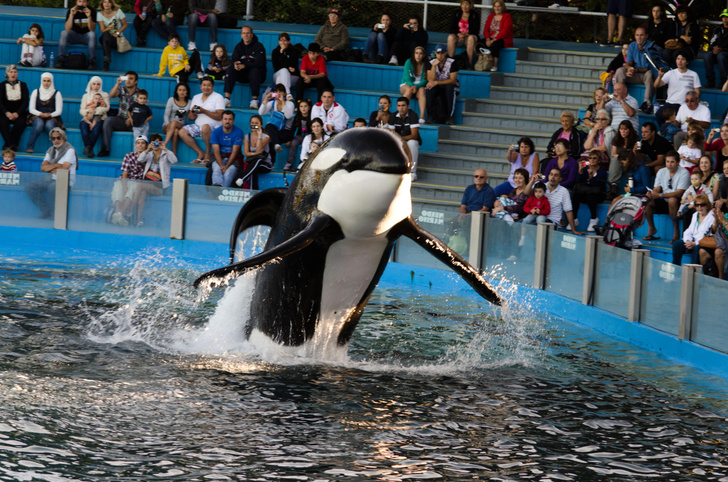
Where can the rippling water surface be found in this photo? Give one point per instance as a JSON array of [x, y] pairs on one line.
[[111, 369]]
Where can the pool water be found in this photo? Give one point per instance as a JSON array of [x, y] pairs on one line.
[[115, 368]]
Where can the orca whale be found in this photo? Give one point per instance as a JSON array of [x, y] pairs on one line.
[[332, 232]]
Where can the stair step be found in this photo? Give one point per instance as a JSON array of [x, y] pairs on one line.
[[571, 57], [552, 83], [549, 69], [512, 121], [522, 108], [524, 94], [497, 135]]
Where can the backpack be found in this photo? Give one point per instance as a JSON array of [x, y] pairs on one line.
[[76, 61]]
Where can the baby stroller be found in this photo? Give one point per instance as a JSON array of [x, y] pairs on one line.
[[623, 219]]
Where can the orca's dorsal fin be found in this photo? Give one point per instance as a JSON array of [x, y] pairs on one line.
[[261, 210], [409, 228], [316, 227]]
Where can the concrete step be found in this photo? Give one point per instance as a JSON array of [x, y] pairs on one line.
[[546, 125], [498, 135], [548, 84], [548, 69], [448, 148], [571, 57], [455, 177], [446, 194], [524, 109], [439, 168], [537, 95]]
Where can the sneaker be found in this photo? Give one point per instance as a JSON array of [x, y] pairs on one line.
[[430, 120], [227, 102], [200, 75], [116, 217], [191, 46], [494, 69], [646, 107], [212, 46], [278, 148], [254, 104], [288, 166], [512, 258], [87, 151], [103, 153], [450, 120], [122, 221], [554, 5], [413, 175], [393, 60], [522, 241], [379, 60], [92, 65], [592, 223], [421, 120]]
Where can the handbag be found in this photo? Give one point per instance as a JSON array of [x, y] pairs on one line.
[[152, 176], [122, 44], [484, 63], [708, 242]]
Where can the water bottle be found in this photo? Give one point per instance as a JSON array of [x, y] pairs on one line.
[[52, 63]]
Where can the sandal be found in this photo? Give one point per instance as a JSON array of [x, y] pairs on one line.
[[198, 161], [650, 237]]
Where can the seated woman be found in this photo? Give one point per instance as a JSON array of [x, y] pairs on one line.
[[701, 222], [414, 79], [601, 136], [281, 112], [600, 97], [564, 163], [590, 187], [256, 149], [509, 207], [685, 39], [721, 196], [301, 128], [380, 118], [175, 115], [617, 62], [380, 39], [464, 26], [286, 63], [32, 54], [157, 160], [717, 147], [525, 158], [498, 31], [687, 202], [313, 140], [638, 175], [625, 139], [94, 106], [112, 23], [719, 245], [574, 139], [45, 108]]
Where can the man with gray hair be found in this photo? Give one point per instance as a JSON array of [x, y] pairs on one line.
[[639, 69], [691, 111], [622, 107], [60, 156]]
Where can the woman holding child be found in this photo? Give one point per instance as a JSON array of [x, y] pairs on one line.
[[94, 107], [509, 207]]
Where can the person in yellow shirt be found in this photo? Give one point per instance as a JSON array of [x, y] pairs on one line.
[[175, 58]]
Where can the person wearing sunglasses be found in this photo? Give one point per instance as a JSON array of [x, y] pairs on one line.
[[478, 196], [670, 184], [700, 226], [60, 156], [691, 111]]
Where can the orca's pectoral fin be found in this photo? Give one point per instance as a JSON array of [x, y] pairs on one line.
[[260, 210], [298, 242], [442, 251]]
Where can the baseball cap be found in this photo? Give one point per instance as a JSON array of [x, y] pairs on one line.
[[724, 13], [336, 11], [143, 138], [440, 48]]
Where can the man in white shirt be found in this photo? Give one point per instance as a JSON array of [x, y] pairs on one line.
[[670, 184], [60, 156], [691, 111], [623, 107], [333, 115], [560, 201], [206, 112], [679, 82]]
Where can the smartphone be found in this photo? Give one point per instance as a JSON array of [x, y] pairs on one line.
[[274, 95], [380, 26], [123, 78]]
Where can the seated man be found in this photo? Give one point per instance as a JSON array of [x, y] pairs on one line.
[[313, 73], [442, 80], [408, 37], [79, 29], [622, 107], [333, 115], [479, 196], [60, 156], [247, 65], [205, 111], [226, 141], [670, 184], [122, 194], [691, 111], [679, 82], [654, 146], [718, 53], [559, 201], [333, 36], [127, 95], [638, 69], [406, 123]]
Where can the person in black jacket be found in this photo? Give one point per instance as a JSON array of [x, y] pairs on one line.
[[408, 37], [464, 27], [175, 12], [659, 27], [286, 62], [247, 65], [718, 53], [687, 35], [14, 98]]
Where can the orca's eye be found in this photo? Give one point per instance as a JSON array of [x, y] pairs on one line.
[[327, 158]]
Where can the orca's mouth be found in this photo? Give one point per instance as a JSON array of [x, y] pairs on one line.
[[371, 150], [384, 166]]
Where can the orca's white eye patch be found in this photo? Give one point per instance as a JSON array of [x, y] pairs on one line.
[[327, 158]]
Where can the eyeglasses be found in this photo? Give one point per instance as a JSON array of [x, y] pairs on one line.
[[701, 205], [691, 100], [56, 138], [602, 118], [478, 177]]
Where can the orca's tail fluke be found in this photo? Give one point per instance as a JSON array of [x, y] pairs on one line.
[[446, 255]]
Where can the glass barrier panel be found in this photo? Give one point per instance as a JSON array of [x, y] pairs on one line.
[[115, 205], [710, 301], [611, 289], [411, 253], [211, 211], [18, 208], [565, 264], [511, 250], [661, 286]]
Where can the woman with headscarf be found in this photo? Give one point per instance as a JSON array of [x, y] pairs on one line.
[[94, 107], [45, 107], [14, 98]]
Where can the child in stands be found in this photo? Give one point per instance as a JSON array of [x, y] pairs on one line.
[[139, 115], [690, 152], [219, 61], [669, 129], [175, 58], [8, 164], [537, 207], [32, 51], [92, 118]]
